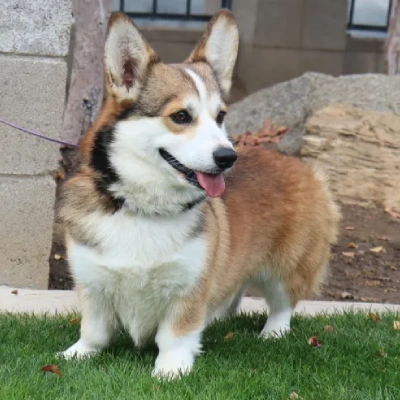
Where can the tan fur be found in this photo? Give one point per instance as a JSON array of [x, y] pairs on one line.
[[263, 222], [276, 216]]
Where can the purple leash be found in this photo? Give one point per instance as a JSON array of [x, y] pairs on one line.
[[33, 133]]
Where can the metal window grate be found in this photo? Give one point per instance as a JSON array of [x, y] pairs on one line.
[[187, 16], [352, 25]]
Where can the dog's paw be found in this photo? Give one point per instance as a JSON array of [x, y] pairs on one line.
[[173, 364], [274, 332], [78, 351]]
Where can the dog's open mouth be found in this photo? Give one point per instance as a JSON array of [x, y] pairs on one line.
[[213, 184]]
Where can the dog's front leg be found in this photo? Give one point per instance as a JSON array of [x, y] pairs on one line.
[[179, 340]]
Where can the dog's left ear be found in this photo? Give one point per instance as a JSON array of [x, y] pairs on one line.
[[218, 47], [127, 56]]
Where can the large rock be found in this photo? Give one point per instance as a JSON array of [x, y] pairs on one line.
[[292, 103], [360, 151]]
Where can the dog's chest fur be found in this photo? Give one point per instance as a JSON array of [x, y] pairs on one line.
[[141, 266]]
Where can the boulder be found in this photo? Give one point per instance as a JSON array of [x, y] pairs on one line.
[[360, 151], [292, 103]]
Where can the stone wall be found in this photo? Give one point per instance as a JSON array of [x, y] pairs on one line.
[[279, 40], [34, 40]]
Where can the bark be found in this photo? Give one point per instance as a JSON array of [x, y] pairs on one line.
[[86, 86], [393, 41]]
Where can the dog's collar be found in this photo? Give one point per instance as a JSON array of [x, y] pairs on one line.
[[190, 205]]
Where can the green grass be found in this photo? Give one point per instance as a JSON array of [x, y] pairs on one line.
[[350, 365]]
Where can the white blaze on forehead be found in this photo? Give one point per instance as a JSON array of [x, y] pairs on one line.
[[200, 85], [210, 102]]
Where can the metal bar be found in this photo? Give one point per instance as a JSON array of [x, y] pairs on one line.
[[177, 17], [226, 4], [122, 5], [188, 7], [371, 28], [389, 14], [154, 12], [351, 16]]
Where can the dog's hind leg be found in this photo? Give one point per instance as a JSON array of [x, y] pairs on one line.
[[280, 307], [98, 326]]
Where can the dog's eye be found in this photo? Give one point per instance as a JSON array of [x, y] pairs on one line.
[[220, 117], [181, 117]]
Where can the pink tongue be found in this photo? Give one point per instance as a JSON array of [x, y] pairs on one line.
[[214, 185]]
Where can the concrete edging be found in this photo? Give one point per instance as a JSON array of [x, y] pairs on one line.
[[54, 302]]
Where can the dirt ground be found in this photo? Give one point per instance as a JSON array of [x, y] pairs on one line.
[[356, 273]]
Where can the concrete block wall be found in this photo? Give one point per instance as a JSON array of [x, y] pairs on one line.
[[34, 40]]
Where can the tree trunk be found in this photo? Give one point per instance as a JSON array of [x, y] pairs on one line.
[[85, 94], [393, 41]]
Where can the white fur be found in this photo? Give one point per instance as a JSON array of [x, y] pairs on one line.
[[143, 267], [280, 308]]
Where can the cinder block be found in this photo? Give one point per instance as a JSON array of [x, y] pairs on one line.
[[324, 24], [39, 27], [327, 62], [26, 216], [245, 13], [279, 23], [32, 96], [260, 67]]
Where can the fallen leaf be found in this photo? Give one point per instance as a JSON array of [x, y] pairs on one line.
[[350, 228], [393, 214], [396, 325], [328, 328], [373, 317], [15, 291], [352, 245], [228, 336], [376, 249], [74, 320], [348, 253], [372, 283], [314, 342], [393, 268], [293, 396], [58, 257], [381, 354], [346, 295], [385, 238], [385, 290], [51, 368]]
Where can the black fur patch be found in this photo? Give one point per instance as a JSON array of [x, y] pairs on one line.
[[100, 162]]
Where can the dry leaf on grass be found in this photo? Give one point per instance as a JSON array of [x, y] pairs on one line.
[[314, 342], [293, 396], [74, 320], [352, 245], [350, 228], [15, 291], [228, 336], [51, 368], [376, 249], [328, 328], [373, 317], [346, 295], [396, 325], [350, 254], [381, 354]]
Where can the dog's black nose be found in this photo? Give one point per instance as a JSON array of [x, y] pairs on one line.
[[224, 157]]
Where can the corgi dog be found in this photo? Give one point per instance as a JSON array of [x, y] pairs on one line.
[[166, 224]]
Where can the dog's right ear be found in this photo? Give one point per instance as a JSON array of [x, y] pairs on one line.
[[127, 56]]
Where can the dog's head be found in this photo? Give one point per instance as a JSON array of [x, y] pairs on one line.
[[167, 119]]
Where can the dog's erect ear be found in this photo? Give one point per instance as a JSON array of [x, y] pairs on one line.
[[127, 56], [218, 47]]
